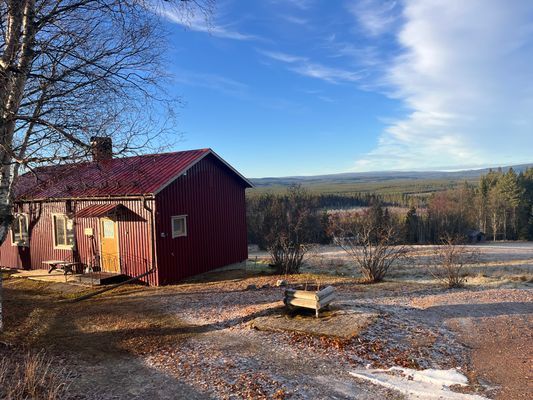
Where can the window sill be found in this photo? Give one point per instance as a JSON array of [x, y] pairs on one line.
[[20, 245], [63, 247]]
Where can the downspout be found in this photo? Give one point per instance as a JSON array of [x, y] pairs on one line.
[[152, 232]]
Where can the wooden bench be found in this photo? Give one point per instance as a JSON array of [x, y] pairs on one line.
[[66, 266]]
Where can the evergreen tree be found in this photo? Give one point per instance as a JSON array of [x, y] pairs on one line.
[[530, 225], [525, 210], [511, 196], [411, 226]]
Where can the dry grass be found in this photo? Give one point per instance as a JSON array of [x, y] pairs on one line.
[[31, 377], [496, 264], [105, 335], [118, 322]]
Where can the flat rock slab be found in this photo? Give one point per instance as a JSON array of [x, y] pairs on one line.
[[340, 324]]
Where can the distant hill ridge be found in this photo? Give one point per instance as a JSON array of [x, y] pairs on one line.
[[368, 177]]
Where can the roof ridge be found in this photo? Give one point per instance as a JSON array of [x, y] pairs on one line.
[[204, 149], [44, 168], [134, 175]]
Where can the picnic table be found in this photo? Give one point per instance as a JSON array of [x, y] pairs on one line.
[[66, 266]]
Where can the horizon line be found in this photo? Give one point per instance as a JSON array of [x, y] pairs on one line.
[[438, 169]]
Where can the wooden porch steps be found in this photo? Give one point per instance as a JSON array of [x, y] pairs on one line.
[[100, 278]]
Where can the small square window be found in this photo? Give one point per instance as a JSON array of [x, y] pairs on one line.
[[179, 226], [108, 229], [19, 230]]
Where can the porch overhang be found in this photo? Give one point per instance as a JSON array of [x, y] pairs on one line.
[[100, 210], [116, 211]]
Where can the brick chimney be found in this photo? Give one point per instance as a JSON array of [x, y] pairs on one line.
[[102, 148]]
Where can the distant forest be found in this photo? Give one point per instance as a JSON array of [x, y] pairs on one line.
[[499, 206]]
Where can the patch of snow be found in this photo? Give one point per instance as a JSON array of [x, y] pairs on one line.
[[425, 384]]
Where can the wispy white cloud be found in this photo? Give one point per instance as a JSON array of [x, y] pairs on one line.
[[301, 4], [283, 57], [325, 73], [375, 16], [327, 99], [367, 55], [231, 87], [212, 81], [295, 20], [198, 23], [465, 77], [304, 66], [319, 95]]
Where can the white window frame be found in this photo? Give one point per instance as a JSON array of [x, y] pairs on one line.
[[182, 234], [61, 246], [22, 242]]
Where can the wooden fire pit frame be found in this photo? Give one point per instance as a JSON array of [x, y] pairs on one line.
[[315, 300]]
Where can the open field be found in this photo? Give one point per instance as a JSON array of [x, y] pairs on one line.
[[383, 187], [194, 340]]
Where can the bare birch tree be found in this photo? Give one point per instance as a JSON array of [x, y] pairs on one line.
[[72, 69]]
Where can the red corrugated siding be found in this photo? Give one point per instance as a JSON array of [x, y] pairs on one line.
[[134, 237], [213, 199]]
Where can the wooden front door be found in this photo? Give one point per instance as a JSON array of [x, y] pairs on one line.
[[109, 254]]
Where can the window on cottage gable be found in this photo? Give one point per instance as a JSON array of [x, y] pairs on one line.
[[179, 226]]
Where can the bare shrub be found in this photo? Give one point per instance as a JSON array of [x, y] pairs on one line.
[[31, 377], [372, 247], [287, 227], [449, 262], [286, 255]]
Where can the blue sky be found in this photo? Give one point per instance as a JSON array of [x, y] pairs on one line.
[[302, 87]]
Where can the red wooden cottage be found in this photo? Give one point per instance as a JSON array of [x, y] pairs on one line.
[[179, 213]]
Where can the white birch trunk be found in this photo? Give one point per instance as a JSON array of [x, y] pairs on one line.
[[15, 62]]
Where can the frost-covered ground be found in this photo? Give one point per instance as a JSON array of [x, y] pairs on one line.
[[497, 261], [194, 340], [419, 327]]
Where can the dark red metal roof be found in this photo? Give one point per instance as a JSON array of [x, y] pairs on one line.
[[128, 176]]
